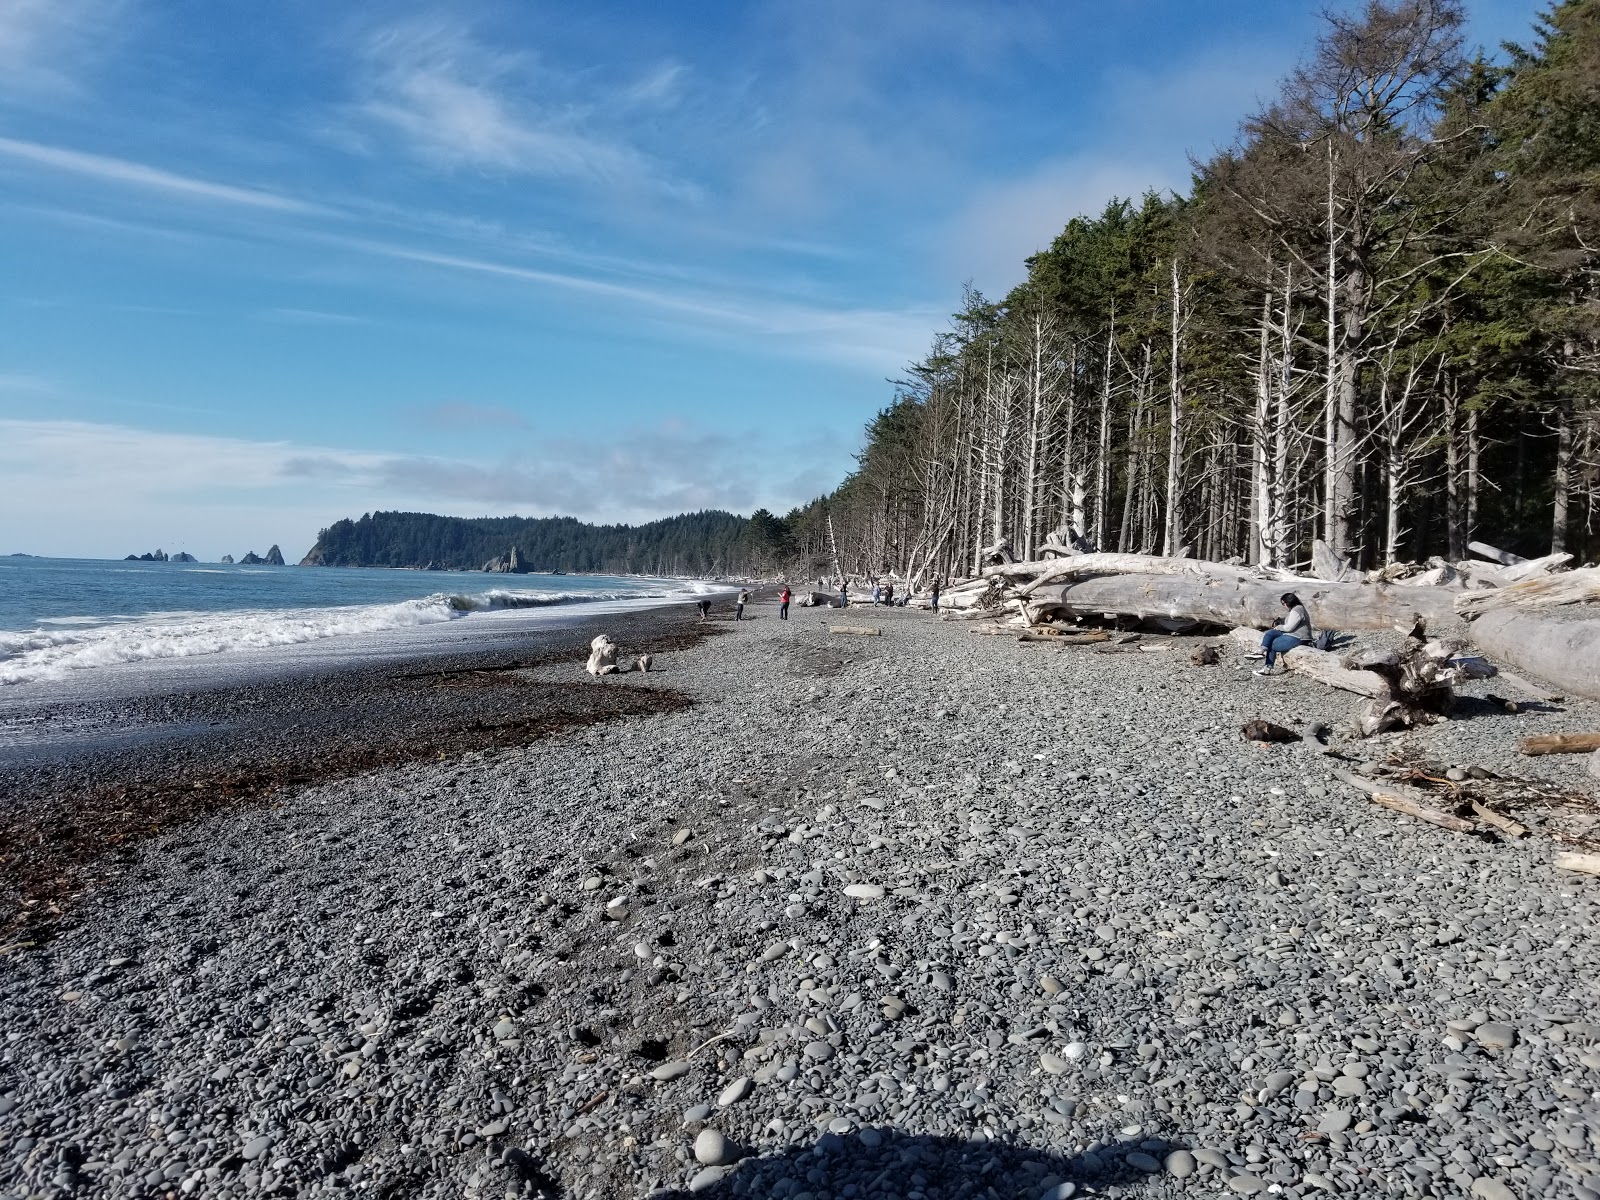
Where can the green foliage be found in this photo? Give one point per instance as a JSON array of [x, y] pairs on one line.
[[694, 544]]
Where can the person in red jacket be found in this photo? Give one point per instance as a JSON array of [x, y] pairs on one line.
[[783, 603]]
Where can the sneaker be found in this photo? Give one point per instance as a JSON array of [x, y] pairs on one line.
[[1255, 655], [1268, 671]]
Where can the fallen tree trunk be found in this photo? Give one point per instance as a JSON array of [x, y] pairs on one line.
[[1589, 864], [1325, 564], [1560, 743], [1572, 587], [1566, 653], [1494, 554], [1233, 601], [856, 630], [1085, 566], [1321, 665], [1392, 798]]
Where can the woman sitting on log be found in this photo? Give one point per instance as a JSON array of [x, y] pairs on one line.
[[1294, 630]]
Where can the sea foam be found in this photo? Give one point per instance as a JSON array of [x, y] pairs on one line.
[[50, 653]]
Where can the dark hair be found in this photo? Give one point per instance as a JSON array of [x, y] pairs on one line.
[[1289, 599]]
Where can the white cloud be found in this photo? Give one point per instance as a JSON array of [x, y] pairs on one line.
[[45, 45], [82, 488], [134, 174], [459, 104]]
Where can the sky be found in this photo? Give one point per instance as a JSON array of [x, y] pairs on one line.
[[263, 266]]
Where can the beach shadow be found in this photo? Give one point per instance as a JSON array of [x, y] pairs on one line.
[[881, 1162]]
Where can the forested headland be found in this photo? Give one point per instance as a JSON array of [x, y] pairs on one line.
[[693, 544], [1373, 320]]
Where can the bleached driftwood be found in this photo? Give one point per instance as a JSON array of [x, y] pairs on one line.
[[1404, 800], [1568, 860], [1322, 665], [602, 656], [643, 663], [1533, 568], [1325, 564], [1220, 600], [1565, 653], [1570, 587], [1086, 566], [856, 630], [1494, 554], [1560, 743], [1419, 686]]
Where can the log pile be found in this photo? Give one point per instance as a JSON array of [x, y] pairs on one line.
[[1490, 805], [1502, 594]]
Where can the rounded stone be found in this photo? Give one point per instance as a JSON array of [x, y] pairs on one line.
[[669, 1070], [863, 891], [736, 1091], [712, 1149], [819, 1051], [1180, 1164], [1140, 1161]]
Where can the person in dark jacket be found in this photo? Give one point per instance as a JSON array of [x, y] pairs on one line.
[[738, 605]]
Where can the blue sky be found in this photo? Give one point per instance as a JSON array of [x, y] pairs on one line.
[[266, 265]]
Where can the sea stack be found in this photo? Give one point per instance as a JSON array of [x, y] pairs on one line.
[[274, 557]]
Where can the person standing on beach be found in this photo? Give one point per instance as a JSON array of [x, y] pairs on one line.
[[888, 595], [705, 610], [844, 594], [933, 594], [783, 603], [738, 606], [877, 594]]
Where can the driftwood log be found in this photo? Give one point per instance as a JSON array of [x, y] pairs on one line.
[[602, 656], [1570, 587], [1404, 800], [1220, 600], [1589, 864], [1325, 564], [1419, 686], [1321, 665], [1560, 743], [1566, 653], [856, 630]]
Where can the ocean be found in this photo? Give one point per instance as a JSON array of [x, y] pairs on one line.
[[68, 619]]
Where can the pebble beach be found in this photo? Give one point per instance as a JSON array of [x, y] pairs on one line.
[[909, 917]]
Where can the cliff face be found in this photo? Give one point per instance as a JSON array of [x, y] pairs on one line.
[[275, 557]]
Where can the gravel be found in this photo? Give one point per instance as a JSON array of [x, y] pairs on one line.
[[1258, 982]]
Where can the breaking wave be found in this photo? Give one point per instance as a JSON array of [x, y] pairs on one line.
[[49, 653]]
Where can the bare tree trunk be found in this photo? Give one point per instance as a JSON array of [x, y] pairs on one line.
[[1102, 479], [1132, 476], [1260, 497], [1562, 483], [1174, 515], [1454, 509], [1330, 400], [1474, 450]]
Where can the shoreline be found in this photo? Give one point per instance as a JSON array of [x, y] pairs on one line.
[[177, 745], [1090, 938]]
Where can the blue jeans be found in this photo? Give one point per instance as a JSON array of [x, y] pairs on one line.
[[1276, 642]]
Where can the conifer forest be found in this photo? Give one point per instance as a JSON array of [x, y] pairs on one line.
[[1374, 321]]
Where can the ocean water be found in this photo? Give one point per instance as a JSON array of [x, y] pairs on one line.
[[64, 619]]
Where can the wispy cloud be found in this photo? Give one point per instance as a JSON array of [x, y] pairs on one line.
[[137, 486], [313, 316], [46, 44], [457, 103], [125, 172]]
